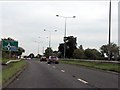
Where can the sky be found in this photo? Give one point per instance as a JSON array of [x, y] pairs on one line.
[[25, 22]]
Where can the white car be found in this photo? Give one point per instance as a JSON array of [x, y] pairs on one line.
[[43, 59], [53, 59]]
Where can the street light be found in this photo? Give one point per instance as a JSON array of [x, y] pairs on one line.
[[38, 45], [109, 51], [65, 31], [49, 38], [43, 44]]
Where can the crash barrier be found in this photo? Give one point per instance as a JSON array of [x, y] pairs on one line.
[[12, 61], [101, 61]]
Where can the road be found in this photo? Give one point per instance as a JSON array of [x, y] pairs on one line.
[[42, 75]]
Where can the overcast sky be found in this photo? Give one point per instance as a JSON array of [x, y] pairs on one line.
[[25, 21]]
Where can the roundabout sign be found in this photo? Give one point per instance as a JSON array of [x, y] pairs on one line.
[[10, 45]]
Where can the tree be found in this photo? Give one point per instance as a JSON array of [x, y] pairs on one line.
[[81, 47], [48, 52], [55, 53], [78, 54], [38, 56], [70, 46], [92, 54], [114, 50], [31, 55], [61, 49], [20, 51]]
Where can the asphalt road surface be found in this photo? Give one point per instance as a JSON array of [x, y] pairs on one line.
[[42, 75]]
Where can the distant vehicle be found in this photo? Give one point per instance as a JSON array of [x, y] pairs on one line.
[[53, 59], [43, 59]]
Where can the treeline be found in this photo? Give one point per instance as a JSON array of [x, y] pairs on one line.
[[88, 53], [74, 52], [79, 53]]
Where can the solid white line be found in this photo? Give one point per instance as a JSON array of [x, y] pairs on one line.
[[62, 70], [82, 80]]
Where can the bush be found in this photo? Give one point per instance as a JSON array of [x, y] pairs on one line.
[[92, 54], [78, 54]]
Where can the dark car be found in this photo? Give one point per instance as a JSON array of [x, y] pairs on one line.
[[43, 59], [53, 59]]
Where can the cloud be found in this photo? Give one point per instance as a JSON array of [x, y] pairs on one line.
[[25, 21]]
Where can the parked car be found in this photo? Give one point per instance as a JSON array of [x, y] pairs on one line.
[[43, 59], [53, 59]]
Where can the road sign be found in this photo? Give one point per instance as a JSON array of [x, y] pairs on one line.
[[9, 45]]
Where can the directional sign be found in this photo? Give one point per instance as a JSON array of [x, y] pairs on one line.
[[9, 45]]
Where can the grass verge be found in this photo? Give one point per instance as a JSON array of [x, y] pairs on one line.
[[4, 60], [98, 65], [11, 70], [0, 77]]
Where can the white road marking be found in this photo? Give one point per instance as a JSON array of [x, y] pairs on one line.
[[82, 80], [62, 70], [53, 66], [48, 64]]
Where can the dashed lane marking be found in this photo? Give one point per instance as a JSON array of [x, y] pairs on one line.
[[53, 66], [82, 80], [62, 70]]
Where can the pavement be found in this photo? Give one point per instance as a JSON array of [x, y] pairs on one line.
[[42, 75]]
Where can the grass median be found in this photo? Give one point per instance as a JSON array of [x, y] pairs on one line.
[[98, 65], [11, 70]]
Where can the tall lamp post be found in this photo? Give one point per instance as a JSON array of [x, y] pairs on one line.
[[65, 31], [50, 39], [43, 44], [109, 51], [38, 45]]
